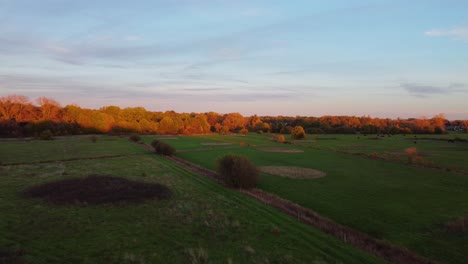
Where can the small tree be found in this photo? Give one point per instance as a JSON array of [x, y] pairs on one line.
[[298, 133], [237, 171]]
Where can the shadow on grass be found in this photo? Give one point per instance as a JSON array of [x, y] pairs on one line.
[[97, 189]]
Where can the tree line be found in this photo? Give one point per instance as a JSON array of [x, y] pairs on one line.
[[21, 117]]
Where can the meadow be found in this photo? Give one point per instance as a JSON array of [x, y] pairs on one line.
[[203, 222], [387, 198]]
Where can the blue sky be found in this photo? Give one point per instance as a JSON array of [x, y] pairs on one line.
[[349, 57]]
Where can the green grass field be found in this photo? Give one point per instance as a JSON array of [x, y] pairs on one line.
[[401, 203], [202, 223]]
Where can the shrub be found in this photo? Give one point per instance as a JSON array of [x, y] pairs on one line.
[[278, 138], [135, 137], [154, 143], [162, 148], [298, 133], [237, 171], [46, 135], [244, 131]]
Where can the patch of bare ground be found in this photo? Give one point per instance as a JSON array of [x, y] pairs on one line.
[[280, 150], [97, 189], [458, 226], [215, 143], [206, 149], [62, 160], [11, 256], [293, 172]]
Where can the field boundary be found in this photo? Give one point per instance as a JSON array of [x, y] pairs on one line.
[[379, 248]]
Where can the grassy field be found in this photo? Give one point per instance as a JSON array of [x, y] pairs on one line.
[[401, 203], [433, 148], [202, 222]]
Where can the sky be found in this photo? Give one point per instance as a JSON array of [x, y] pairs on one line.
[[380, 58]]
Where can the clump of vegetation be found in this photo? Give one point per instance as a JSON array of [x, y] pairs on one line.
[[46, 135], [298, 133], [93, 138], [97, 189], [278, 138], [244, 131], [162, 148], [135, 137], [414, 157], [458, 226], [237, 171]]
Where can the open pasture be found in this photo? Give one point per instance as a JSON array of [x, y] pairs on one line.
[[402, 203], [439, 150], [201, 222]]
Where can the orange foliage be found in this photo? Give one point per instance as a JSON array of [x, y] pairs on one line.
[[18, 116]]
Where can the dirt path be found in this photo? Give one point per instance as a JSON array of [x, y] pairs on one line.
[[379, 248]]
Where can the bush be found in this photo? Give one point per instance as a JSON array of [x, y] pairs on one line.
[[135, 138], [46, 135], [162, 148], [278, 138], [298, 133], [237, 171], [244, 131]]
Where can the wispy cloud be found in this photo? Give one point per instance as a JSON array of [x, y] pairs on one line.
[[459, 33], [424, 91]]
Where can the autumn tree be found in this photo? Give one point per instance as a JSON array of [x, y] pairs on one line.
[[49, 109], [298, 133], [233, 121], [16, 107]]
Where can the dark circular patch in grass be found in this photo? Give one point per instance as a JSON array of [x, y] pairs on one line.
[[98, 189], [11, 256]]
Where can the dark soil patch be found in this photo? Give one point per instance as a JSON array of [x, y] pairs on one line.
[[458, 226], [97, 189], [11, 256], [63, 160]]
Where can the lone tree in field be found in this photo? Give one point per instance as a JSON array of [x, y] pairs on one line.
[[298, 133], [237, 171]]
